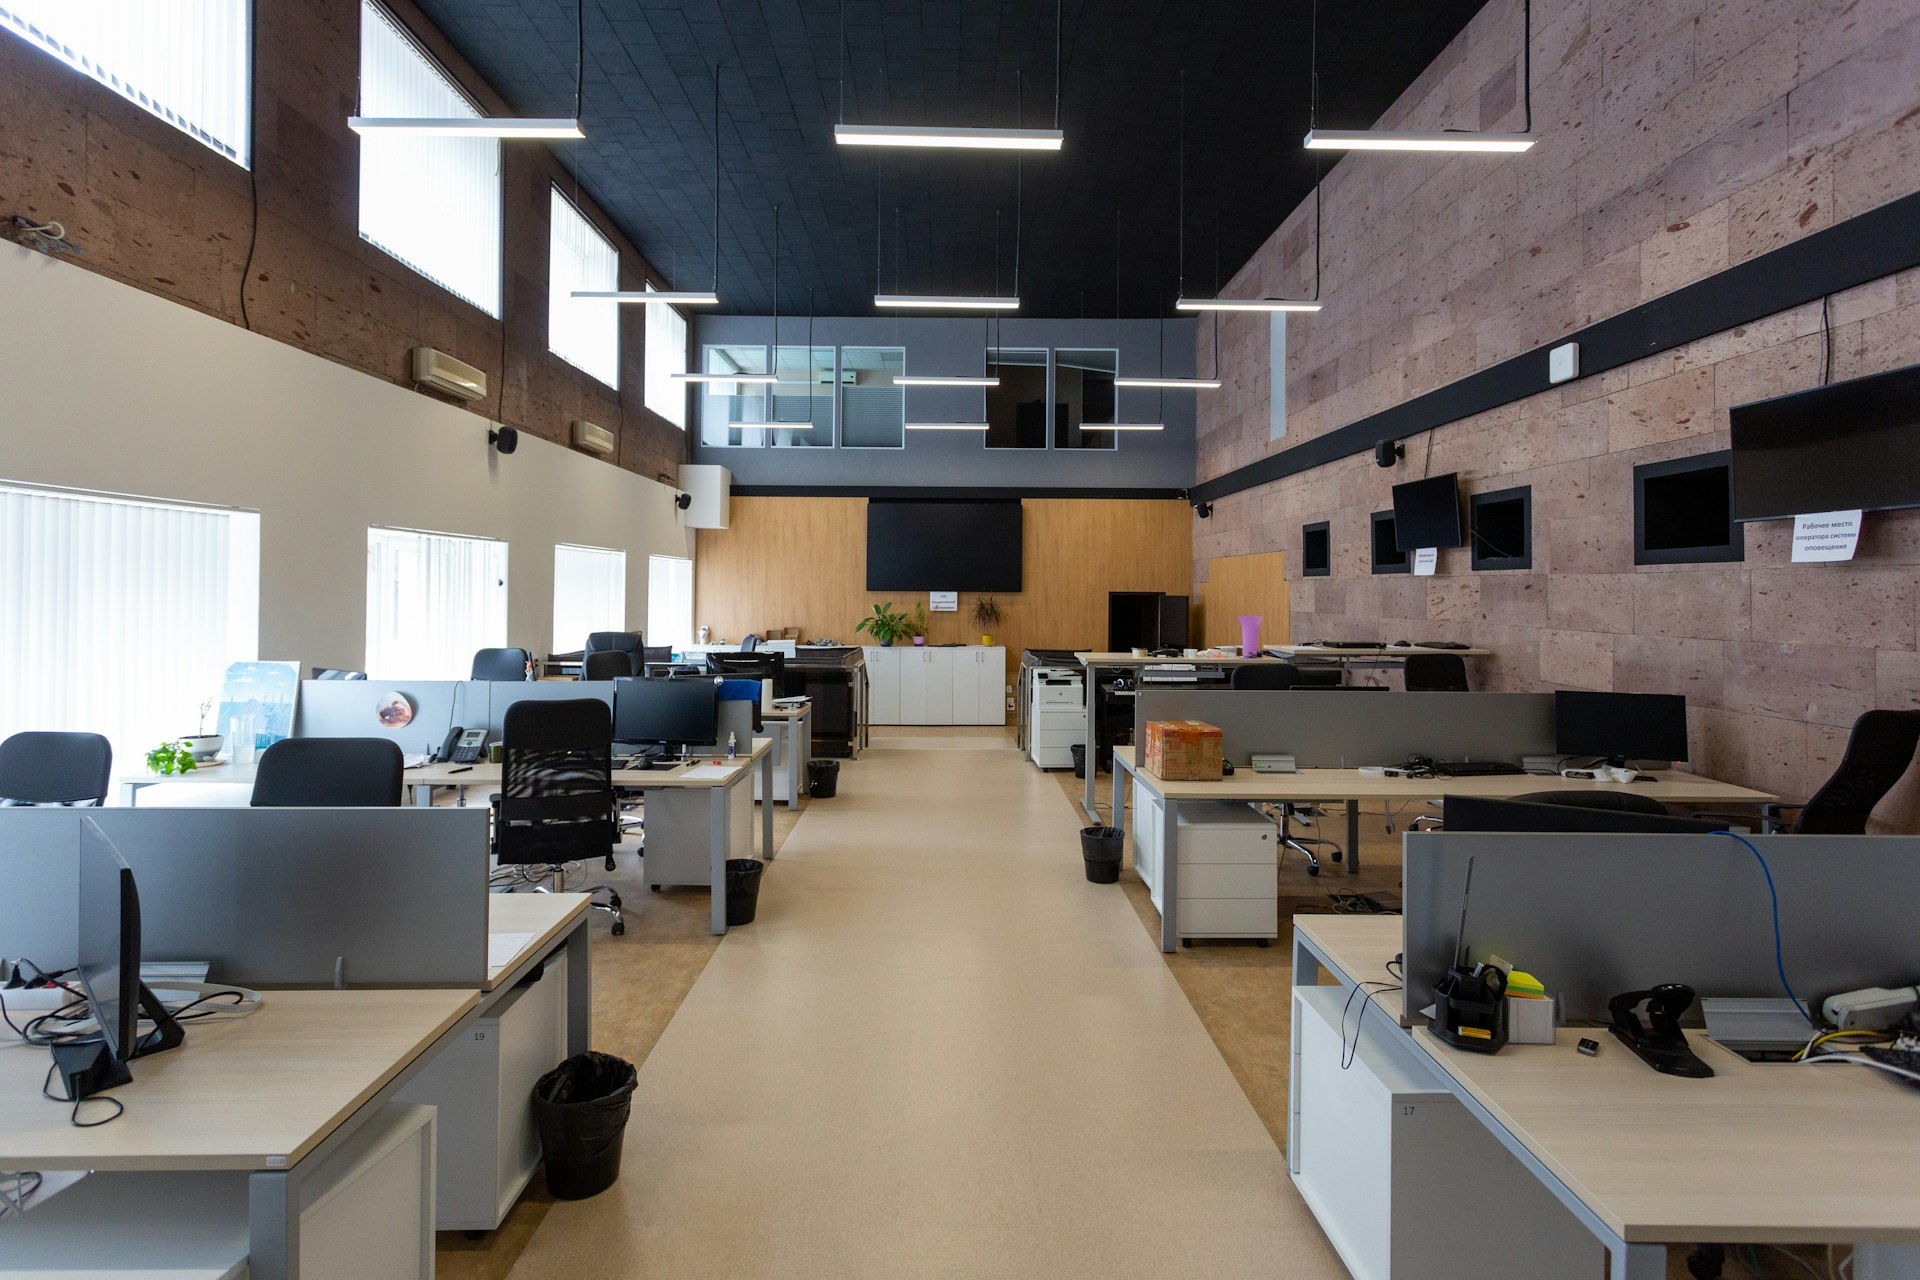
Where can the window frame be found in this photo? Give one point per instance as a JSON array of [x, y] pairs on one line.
[[647, 378], [558, 203], [504, 586], [556, 642]]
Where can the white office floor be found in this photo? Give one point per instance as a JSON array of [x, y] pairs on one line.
[[938, 1052]]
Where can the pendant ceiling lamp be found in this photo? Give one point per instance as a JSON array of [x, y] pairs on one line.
[[952, 137], [505, 127], [1319, 139]]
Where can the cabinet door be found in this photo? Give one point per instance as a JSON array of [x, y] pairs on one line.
[[912, 665], [883, 684], [990, 701], [942, 667]]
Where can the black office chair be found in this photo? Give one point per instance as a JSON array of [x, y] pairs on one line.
[[749, 643], [329, 773], [657, 653], [501, 664], [44, 767], [556, 803], [629, 643], [1436, 673], [1266, 675], [1615, 801], [1880, 749], [1321, 678], [607, 664]]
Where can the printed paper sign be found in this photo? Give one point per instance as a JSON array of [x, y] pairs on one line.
[[1424, 561], [1825, 535], [944, 601]]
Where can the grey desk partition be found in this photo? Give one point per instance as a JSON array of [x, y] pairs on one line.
[[1330, 729], [504, 693], [269, 897], [1595, 915], [350, 709]]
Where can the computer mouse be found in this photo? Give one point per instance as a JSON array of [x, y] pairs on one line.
[[643, 762], [1402, 644]]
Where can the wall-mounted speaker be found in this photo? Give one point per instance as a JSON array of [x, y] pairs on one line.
[[1387, 452]]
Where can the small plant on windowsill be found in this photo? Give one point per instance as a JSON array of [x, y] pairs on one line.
[[986, 616], [885, 625], [170, 758]]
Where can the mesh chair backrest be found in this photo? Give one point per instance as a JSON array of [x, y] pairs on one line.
[[1266, 675], [608, 664], [501, 664], [1880, 749], [42, 767], [329, 773], [1436, 673], [1616, 801], [556, 798]]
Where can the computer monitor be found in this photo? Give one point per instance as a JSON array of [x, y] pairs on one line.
[[108, 938], [665, 713], [1476, 813], [1620, 726]]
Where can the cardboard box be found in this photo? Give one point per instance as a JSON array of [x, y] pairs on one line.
[[1183, 750]]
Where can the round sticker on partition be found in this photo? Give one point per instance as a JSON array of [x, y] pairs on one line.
[[394, 710]]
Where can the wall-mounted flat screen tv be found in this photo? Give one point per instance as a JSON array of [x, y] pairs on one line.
[[943, 546], [1851, 445], [1426, 513]]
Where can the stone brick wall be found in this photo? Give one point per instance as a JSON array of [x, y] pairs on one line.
[[159, 211], [1678, 137]]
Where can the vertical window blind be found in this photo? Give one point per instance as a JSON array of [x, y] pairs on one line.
[[669, 601], [433, 599], [433, 203], [589, 594], [186, 61], [666, 356], [585, 332], [119, 616]]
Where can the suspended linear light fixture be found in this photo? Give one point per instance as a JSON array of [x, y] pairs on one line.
[[946, 426], [690, 297], [932, 380], [1319, 139], [504, 127]]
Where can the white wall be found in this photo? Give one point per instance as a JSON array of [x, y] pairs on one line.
[[105, 387]]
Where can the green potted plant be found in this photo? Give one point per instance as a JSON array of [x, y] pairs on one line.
[[170, 758], [919, 624], [203, 745], [986, 616], [885, 625]]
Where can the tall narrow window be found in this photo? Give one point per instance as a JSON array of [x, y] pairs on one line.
[[666, 356], [119, 617], [433, 599], [433, 203], [585, 332], [669, 601], [589, 594], [186, 61]]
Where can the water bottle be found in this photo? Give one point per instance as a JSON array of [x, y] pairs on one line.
[[733, 745]]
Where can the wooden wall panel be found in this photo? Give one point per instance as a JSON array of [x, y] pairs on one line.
[[1236, 585], [802, 562]]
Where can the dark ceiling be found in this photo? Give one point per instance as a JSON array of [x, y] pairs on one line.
[[648, 118]]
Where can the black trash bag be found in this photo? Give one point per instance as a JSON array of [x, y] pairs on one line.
[[823, 779], [743, 889], [1100, 848], [580, 1108]]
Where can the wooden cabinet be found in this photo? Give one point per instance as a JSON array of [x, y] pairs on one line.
[[926, 685]]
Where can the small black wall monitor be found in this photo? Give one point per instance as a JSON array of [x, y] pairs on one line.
[[1316, 550], [1620, 727], [1853, 444], [1476, 813], [1426, 513], [1387, 557], [943, 546], [666, 713], [1683, 511], [1500, 525]]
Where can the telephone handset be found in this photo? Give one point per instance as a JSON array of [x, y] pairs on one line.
[[463, 746]]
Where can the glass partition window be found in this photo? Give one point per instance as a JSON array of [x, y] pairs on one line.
[[732, 413], [804, 397], [1017, 408], [589, 594], [1083, 392], [873, 412], [433, 600], [666, 355], [119, 617], [669, 601], [585, 332]]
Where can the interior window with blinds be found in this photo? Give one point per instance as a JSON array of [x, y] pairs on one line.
[[669, 601], [433, 600], [119, 616], [186, 61], [589, 594], [666, 356], [433, 203], [585, 332]]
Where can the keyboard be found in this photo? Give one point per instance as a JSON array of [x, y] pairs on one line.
[[1345, 644], [1477, 769], [1897, 1056], [1441, 644]]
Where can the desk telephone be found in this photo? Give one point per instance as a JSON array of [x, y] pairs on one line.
[[463, 746]]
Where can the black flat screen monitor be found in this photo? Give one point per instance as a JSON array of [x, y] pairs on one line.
[[669, 713], [1426, 513], [749, 665], [1620, 726], [1476, 813], [943, 546], [1852, 445]]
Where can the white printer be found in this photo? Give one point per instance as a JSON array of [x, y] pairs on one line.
[[1056, 697]]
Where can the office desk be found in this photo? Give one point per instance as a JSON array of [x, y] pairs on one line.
[[792, 728], [1765, 1153], [1350, 785], [219, 772], [551, 921], [1379, 656], [272, 1095]]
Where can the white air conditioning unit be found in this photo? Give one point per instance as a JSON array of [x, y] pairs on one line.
[[443, 373], [709, 490], [592, 437]]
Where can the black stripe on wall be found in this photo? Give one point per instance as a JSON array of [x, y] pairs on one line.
[[938, 493], [1861, 249]]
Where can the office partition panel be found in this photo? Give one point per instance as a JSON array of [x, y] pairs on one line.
[[1340, 729]]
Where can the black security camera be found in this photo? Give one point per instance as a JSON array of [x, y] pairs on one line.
[[506, 439], [683, 500], [1203, 509]]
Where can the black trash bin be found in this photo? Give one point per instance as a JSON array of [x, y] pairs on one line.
[[580, 1108], [823, 779], [1100, 849], [743, 889], [1079, 750]]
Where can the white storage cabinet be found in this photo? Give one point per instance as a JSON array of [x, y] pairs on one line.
[[922, 684]]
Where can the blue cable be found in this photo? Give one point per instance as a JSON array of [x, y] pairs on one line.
[[1779, 961]]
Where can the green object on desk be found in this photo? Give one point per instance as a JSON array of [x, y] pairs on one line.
[[170, 758]]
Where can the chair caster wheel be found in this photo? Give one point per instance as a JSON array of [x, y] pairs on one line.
[[1338, 856], [1263, 943], [610, 863], [1707, 1262], [656, 888], [1186, 942], [613, 900], [619, 927]]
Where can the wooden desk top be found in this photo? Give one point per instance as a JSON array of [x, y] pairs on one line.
[[1765, 1152], [217, 771], [482, 774], [1672, 787], [544, 915], [1382, 651], [256, 1093], [787, 713], [1129, 660]]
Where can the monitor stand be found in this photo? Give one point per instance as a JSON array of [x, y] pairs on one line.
[[89, 1067]]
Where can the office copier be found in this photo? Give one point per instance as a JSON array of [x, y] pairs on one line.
[[1056, 695]]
